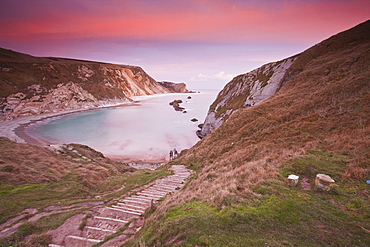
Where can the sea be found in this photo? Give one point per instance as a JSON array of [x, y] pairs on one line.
[[147, 130]]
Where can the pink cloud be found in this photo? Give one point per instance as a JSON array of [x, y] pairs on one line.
[[204, 21], [175, 40]]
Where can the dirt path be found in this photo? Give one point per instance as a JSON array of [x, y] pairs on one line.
[[121, 220]]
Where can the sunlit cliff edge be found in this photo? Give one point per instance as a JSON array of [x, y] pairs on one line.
[[35, 85]]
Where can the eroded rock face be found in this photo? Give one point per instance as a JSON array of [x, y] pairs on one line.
[[68, 96], [32, 85], [246, 90]]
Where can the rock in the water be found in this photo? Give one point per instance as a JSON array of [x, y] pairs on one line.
[[194, 120], [176, 105]]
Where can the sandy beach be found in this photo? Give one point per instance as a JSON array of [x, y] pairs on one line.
[[20, 128], [144, 132]]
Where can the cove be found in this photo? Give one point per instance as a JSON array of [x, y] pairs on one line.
[[145, 131]]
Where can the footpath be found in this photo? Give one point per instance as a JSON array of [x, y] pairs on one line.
[[117, 223]]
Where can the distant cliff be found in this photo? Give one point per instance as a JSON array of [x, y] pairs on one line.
[[175, 87], [245, 91], [35, 85]]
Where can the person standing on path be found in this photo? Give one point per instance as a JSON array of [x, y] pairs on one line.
[[171, 155]]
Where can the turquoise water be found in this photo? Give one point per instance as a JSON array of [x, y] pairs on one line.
[[146, 131]]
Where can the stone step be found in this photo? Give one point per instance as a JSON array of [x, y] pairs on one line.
[[172, 181], [160, 189], [110, 219], [108, 225], [124, 211], [135, 201], [143, 198], [164, 186], [169, 183], [130, 205], [156, 192], [72, 240], [98, 233], [55, 245], [129, 209], [179, 175], [100, 229], [150, 195], [176, 179]]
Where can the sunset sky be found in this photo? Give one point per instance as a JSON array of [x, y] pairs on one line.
[[203, 43]]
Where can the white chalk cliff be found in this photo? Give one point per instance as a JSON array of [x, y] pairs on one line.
[[246, 90], [32, 85]]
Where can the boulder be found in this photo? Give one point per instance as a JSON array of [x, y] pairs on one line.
[[324, 182], [176, 105], [293, 180]]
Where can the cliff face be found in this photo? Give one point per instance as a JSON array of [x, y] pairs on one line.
[[175, 87], [31, 85], [246, 90]]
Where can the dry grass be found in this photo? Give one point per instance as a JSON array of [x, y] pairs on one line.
[[324, 107], [34, 176], [25, 163]]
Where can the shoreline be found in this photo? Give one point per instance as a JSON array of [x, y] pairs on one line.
[[17, 129], [20, 130]]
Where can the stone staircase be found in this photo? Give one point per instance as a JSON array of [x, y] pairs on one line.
[[107, 220]]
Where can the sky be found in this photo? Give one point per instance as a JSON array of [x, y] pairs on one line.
[[204, 43]]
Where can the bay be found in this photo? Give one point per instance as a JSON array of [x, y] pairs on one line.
[[146, 131]]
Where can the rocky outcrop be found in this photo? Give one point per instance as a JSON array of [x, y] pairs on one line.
[[66, 96], [176, 105], [246, 90], [31, 85], [175, 87]]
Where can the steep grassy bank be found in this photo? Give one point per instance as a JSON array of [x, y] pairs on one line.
[[240, 196]]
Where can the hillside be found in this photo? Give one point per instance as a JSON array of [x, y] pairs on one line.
[[254, 87], [35, 85], [43, 187], [316, 121]]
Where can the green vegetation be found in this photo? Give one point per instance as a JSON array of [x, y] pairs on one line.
[[316, 162], [84, 221], [277, 215], [90, 178], [36, 231]]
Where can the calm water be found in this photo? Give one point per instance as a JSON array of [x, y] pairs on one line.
[[148, 131]]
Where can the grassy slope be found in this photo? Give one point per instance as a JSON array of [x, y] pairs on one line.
[[35, 177], [51, 71], [240, 196]]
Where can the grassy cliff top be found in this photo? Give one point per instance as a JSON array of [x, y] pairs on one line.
[[318, 122]]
